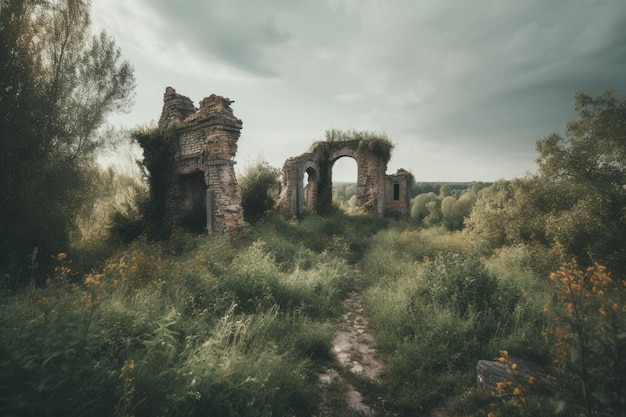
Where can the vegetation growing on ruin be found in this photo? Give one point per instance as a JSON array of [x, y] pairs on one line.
[[377, 143], [159, 149]]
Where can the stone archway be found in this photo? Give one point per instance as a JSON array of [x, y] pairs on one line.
[[372, 182]]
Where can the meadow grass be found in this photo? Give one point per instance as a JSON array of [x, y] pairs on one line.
[[200, 325], [190, 326]]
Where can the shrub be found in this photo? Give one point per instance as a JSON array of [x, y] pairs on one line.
[[260, 186]]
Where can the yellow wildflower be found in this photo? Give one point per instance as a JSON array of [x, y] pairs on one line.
[[61, 256]]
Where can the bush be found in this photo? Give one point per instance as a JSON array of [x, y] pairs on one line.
[[436, 308], [260, 186]]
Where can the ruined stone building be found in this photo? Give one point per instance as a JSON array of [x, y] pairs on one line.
[[204, 194], [307, 180]]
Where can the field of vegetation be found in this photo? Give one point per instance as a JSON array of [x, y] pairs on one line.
[[104, 314], [198, 325]]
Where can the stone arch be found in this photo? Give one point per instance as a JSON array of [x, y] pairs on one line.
[[372, 181]]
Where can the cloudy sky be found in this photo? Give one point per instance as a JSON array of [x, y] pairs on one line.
[[462, 88]]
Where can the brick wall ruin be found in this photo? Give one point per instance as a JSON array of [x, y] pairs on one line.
[[204, 195], [377, 193]]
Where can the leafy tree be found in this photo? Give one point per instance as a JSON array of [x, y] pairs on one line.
[[579, 194], [159, 148], [454, 211], [426, 209], [260, 186], [58, 83]]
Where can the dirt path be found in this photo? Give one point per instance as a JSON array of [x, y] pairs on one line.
[[355, 352]]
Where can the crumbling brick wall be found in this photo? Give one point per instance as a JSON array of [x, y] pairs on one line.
[[375, 189], [204, 195]]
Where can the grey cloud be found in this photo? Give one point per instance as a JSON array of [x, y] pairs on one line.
[[497, 76], [485, 76], [243, 34]]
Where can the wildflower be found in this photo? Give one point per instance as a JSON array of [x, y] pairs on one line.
[[602, 311], [546, 309], [61, 256], [500, 386], [491, 414], [614, 306], [514, 366], [517, 391], [570, 307], [544, 333], [531, 380], [93, 280]]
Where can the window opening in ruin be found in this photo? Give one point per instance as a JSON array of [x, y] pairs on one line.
[[344, 181], [396, 192], [309, 187]]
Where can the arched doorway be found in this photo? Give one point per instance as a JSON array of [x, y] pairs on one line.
[[344, 175], [309, 189]]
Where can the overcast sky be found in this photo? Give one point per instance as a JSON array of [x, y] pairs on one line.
[[462, 88]]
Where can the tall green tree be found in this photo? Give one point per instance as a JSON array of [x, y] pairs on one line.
[[578, 196], [58, 83]]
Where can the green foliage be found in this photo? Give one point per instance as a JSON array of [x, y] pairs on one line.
[[260, 186], [159, 148], [449, 208], [196, 325], [187, 326], [58, 83], [377, 143], [112, 215], [426, 209], [577, 198], [344, 197], [437, 307]]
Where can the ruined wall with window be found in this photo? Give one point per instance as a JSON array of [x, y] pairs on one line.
[[307, 180], [204, 194], [397, 195]]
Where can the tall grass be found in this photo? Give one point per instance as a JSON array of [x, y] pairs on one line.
[[437, 306], [199, 325], [192, 326]]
